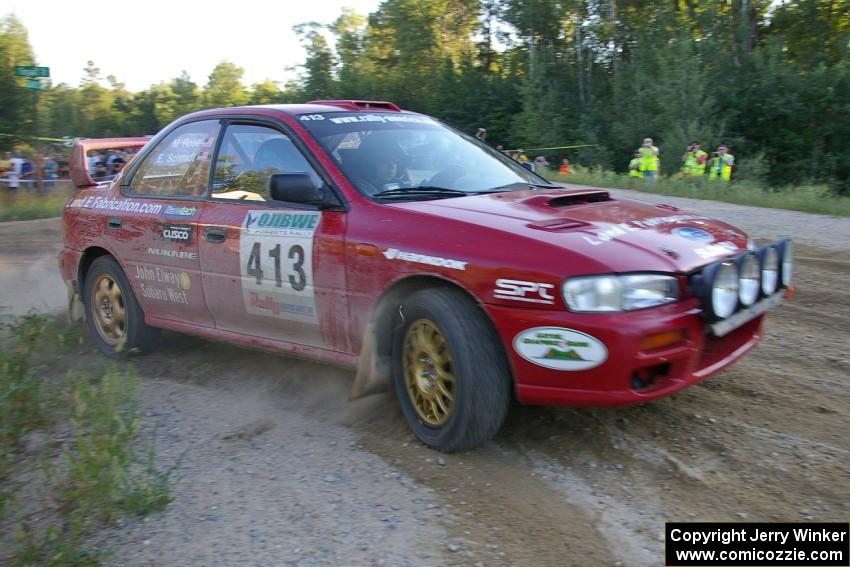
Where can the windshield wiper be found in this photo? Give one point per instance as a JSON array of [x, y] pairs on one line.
[[517, 186], [419, 192]]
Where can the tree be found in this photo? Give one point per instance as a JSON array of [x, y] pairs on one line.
[[225, 87]]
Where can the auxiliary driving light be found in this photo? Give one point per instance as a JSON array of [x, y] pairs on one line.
[[748, 279], [787, 254], [769, 260], [724, 289]]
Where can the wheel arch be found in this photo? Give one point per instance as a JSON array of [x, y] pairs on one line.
[[374, 365], [88, 257]]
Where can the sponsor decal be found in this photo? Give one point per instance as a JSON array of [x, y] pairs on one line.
[[623, 228], [179, 211], [166, 253], [100, 203], [160, 284], [396, 254], [176, 232], [560, 348], [518, 290], [693, 233], [358, 118], [715, 250], [276, 264]]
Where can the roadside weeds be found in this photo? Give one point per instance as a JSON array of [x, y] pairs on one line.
[[71, 456]]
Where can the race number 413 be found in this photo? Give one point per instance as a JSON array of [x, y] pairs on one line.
[[276, 261]]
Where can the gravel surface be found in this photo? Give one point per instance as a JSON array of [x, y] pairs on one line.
[[278, 468]]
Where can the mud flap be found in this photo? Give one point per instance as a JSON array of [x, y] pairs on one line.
[[76, 310], [373, 374]]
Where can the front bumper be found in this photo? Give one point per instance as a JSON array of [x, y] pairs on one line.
[[630, 373]]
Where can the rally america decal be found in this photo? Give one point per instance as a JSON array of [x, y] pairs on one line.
[[276, 263], [560, 349]]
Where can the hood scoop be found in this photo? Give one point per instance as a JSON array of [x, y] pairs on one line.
[[566, 200], [557, 225]]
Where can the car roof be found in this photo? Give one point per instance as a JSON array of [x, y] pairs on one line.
[[307, 108]]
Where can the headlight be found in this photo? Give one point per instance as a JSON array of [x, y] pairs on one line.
[[724, 290], [787, 261], [749, 278], [619, 293], [769, 270]]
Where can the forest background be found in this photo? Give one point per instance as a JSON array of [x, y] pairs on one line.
[[770, 79]]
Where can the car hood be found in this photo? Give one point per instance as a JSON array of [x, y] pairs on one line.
[[624, 235]]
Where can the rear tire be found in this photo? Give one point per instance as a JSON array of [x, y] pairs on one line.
[[113, 316], [449, 370]]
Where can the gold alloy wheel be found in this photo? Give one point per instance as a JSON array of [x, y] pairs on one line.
[[108, 310], [428, 375]]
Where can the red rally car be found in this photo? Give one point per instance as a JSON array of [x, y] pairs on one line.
[[359, 234]]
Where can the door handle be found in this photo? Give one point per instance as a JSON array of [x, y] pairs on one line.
[[114, 223], [215, 234]]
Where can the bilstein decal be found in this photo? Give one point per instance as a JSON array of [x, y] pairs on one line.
[[396, 254], [560, 349]]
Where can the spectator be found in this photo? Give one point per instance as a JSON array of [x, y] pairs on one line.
[[540, 164], [523, 159], [100, 170], [720, 166], [634, 165], [481, 134], [693, 161], [564, 168], [51, 168], [649, 160]]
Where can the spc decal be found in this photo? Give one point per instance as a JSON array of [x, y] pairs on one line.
[[396, 254], [560, 349], [181, 233], [276, 263], [693, 233], [518, 290]]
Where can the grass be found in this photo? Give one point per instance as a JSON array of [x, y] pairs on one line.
[[806, 198], [70, 458], [28, 204]]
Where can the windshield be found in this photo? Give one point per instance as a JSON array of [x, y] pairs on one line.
[[392, 155]]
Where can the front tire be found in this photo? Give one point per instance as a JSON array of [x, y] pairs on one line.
[[449, 371], [113, 315]]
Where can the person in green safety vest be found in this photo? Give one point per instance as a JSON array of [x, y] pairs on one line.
[[649, 160], [721, 163], [693, 162], [634, 166]]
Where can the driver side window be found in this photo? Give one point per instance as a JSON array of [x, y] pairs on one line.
[[248, 157]]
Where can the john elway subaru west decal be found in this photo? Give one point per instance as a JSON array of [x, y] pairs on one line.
[[560, 348], [276, 263]]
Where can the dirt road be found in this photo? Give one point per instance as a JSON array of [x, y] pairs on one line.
[[278, 468]]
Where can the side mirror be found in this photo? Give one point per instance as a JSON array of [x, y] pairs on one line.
[[295, 188]]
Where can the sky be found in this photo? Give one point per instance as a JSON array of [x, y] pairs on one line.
[[148, 41]]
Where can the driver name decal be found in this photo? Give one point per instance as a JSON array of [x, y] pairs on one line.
[[276, 264]]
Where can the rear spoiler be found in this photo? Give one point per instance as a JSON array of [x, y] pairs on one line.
[[79, 166]]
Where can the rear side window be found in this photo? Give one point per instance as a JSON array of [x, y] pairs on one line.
[[249, 155], [179, 166]]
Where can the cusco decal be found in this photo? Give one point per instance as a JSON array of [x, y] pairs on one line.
[[276, 259], [109, 204], [559, 348]]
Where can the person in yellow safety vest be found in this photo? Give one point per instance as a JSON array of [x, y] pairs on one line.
[[649, 160], [720, 166], [634, 166], [694, 160]]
